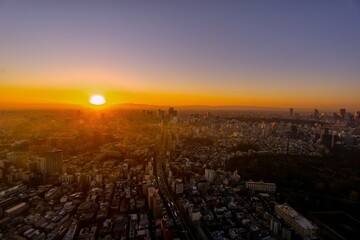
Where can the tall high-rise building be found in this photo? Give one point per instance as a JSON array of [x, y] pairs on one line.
[[53, 162], [157, 206], [342, 113], [291, 113], [177, 186], [316, 114], [161, 114], [150, 194], [209, 175], [357, 116], [172, 114]]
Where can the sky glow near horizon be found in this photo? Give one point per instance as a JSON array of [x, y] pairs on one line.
[[282, 54]]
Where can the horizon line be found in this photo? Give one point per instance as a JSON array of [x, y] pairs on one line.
[[131, 105]]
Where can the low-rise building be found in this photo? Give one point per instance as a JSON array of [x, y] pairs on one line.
[[261, 186], [17, 209], [299, 223]]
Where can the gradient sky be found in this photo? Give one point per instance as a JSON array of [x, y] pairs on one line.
[[262, 53]]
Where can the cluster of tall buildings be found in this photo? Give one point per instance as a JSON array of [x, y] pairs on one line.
[[170, 116], [341, 115]]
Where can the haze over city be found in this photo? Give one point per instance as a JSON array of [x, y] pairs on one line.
[[267, 54], [180, 120]]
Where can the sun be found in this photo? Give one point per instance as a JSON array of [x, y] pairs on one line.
[[97, 100]]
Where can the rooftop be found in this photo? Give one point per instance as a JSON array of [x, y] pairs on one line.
[[301, 220]]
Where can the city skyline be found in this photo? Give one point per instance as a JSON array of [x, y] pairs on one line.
[[231, 54]]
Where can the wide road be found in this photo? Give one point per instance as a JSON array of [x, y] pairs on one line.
[[184, 231]]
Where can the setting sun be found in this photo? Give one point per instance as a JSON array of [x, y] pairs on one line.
[[97, 100]]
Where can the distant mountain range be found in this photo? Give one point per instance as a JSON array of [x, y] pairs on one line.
[[201, 107], [140, 106]]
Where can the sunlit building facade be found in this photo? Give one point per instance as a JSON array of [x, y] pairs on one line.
[[299, 223]]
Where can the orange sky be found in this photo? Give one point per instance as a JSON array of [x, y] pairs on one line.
[[17, 97]]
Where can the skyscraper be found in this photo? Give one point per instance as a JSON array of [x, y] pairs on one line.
[[316, 114], [157, 206], [161, 114], [52, 163], [342, 113], [357, 115], [172, 113], [291, 112]]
